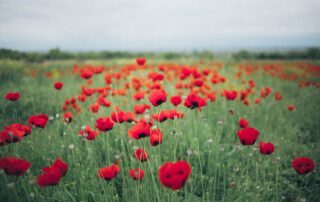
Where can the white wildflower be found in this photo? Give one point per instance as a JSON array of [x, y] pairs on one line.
[[71, 146]]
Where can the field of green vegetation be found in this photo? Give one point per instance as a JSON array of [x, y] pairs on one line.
[[280, 99]]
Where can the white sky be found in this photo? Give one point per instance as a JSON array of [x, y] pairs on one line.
[[158, 24]]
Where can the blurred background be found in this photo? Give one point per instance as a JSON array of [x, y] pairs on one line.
[[74, 29]]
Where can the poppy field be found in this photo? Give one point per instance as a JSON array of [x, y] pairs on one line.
[[145, 129]]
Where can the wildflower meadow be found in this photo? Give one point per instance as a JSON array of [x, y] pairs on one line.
[[149, 129]]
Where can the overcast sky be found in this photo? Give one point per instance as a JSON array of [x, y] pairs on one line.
[[159, 24]]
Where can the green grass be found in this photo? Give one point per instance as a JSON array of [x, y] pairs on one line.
[[222, 168]]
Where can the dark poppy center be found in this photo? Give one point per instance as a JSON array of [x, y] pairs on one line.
[[18, 172], [194, 104], [268, 152], [163, 119], [15, 139], [155, 143], [142, 135], [159, 102]]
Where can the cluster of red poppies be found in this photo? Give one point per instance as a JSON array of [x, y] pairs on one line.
[[171, 174], [14, 166], [50, 175], [14, 133], [248, 136], [39, 120], [53, 174]]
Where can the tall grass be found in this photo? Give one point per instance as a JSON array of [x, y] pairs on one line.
[[222, 168]]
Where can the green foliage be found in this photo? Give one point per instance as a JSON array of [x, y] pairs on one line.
[[222, 168], [310, 53], [57, 54]]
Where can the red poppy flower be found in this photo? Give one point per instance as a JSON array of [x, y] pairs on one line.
[[248, 136], [244, 94], [138, 96], [156, 86], [129, 117], [117, 116], [265, 92], [211, 96], [141, 154], [161, 68], [266, 148], [175, 100], [82, 98], [6, 137], [195, 73], [162, 116], [110, 172], [68, 117], [94, 108], [230, 95], [186, 71], [243, 123], [98, 70], [104, 124], [157, 97], [11, 136], [139, 130], [19, 128], [174, 114], [14, 166], [141, 61], [39, 121], [88, 133], [156, 137], [14, 133], [257, 101], [303, 165], [146, 120], [291, 107], [58, 85], [61, 165], [246, 102], [277, 96], [51, 176], [197, 83], [206, 72], [104, 102], [155, 76], [140, 109], [87, 91], [252, 84], [86, 74], [136, 174], [194, 101], [174, 175], [12, 96]]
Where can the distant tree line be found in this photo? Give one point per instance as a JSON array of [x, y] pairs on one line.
[[57, 54], [310, 53]]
